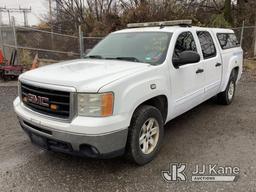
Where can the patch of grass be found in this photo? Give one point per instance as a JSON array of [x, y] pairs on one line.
[[250, 64]]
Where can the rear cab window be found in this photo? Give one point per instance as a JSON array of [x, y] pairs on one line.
[[228, 40]]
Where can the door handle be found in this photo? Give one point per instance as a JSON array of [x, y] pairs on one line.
[[199, 71], [218, 64]]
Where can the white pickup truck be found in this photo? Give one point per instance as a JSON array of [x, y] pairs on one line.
[[118, 98]]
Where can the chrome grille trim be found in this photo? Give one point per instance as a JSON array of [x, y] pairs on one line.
[[72, 100]]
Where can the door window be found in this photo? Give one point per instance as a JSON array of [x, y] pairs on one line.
[[207, 44], [185, 42]]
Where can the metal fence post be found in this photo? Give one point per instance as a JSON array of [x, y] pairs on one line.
[[15, 38], [1, 39], [81, 42], [242, 35], [254, 51]]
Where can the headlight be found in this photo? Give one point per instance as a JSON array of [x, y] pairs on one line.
[[95, 105]]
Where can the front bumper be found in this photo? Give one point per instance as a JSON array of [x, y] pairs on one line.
[[93, 137]]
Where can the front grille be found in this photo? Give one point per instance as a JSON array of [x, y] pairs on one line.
[[60, 100]]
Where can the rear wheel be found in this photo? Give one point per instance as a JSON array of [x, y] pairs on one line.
[[226, 97], [145, 135]]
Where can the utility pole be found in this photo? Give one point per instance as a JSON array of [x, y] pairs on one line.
[[2, 9], [1, 19], [25, 18], [24, 11], [9, 16]]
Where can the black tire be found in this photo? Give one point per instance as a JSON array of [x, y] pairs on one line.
[[224, 97], [133, 148]]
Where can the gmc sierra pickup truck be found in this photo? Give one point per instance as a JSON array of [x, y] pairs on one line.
[[117, 99]]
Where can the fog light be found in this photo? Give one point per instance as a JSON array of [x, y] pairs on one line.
[[94, 150], [89, 150]]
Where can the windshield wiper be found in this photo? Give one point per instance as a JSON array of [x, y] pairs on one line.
[[134, 59], [94, 57]]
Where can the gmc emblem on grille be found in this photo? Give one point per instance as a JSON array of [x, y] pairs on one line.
[[43, 101]]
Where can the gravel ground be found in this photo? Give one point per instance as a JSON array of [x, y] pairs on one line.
[[8, 83], [208, 134]]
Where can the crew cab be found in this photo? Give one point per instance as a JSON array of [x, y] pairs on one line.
[[117, 99]]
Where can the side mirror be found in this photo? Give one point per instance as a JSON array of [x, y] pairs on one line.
[[186, 57]]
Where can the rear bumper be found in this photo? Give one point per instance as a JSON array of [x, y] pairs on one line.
[[64, 137]]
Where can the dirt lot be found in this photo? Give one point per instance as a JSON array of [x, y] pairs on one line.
[[208, 134]]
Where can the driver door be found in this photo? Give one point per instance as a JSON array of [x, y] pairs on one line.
[[188, 80]]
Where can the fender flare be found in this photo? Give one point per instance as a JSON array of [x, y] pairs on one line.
[[231, 66]]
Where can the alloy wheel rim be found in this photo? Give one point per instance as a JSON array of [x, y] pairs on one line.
[[149, 136], [231, 90]]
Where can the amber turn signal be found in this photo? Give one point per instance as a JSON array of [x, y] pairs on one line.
[[53, 107], [107, 104]]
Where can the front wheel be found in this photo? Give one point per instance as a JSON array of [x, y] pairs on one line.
[[145, 135]]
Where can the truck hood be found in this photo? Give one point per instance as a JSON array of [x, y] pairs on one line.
[[86, 75]]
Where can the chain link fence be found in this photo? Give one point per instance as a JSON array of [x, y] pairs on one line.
[[53, 47], [247, 38], [48, 45], [29, 42], [90, 42]]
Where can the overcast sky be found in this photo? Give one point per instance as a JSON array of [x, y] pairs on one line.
[[39, 7]]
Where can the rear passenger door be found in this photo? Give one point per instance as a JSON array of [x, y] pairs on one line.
[[212, 63]]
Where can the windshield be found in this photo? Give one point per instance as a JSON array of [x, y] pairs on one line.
[[145, 47]]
